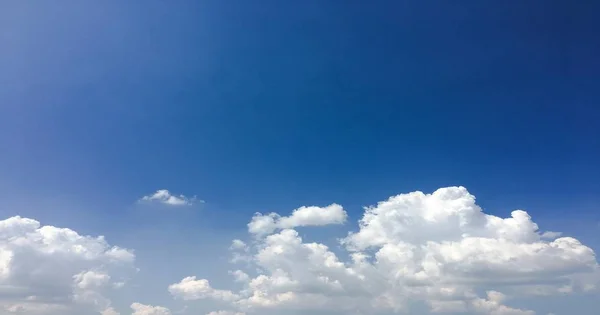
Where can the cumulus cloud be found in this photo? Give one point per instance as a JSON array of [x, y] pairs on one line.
[[165, 197], [51, 270], [439, 249], [90, 279], [239, 245], [303, 216], [141, 309], [239, 276], [191, 289]]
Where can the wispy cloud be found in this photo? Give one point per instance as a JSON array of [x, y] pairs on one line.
[[163, 196]]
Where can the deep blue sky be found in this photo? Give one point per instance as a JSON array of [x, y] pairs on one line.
[[266, 107]]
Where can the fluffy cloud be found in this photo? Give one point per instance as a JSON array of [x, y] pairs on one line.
[[163, 196], [239, 244], [439, 249], [141, 309], [191, 289], [51, 270], [303, 216], [493, 305]]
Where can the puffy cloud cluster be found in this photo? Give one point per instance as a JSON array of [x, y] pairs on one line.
[[439, 249], [51, 270], [163, 196]]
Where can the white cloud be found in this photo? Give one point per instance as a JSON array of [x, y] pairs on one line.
[[239, 245], [163, 196], [240, 251], [439, 249], [51, 270], [493, 305], [303, 216], [90, 279], [240, 276], [34, 308], [141, 309], [109, 311], [191, 289]]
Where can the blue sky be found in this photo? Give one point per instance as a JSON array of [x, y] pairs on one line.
[[271, 106]]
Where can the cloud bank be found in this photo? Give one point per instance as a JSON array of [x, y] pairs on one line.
[[437, 249]]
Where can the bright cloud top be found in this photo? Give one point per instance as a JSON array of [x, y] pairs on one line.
[[141, 309], [50, 270], [439, 249], [163, 196], [303, 216]]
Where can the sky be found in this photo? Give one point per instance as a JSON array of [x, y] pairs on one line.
[[299, 157]]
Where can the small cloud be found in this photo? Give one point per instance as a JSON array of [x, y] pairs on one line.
[[238, 245], [163, 196], [109, 311], [264, 224], [141, 309], [240, 276], [118, 285]]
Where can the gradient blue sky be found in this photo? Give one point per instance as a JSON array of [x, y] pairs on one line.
[[269, 106]]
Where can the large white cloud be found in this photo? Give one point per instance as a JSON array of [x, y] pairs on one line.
[[439, 249], [51, 270]]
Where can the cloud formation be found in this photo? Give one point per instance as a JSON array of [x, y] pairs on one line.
[[439, 249], [51, 270], [191, 289], [303, 216], [163, 196], [141, 309]]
